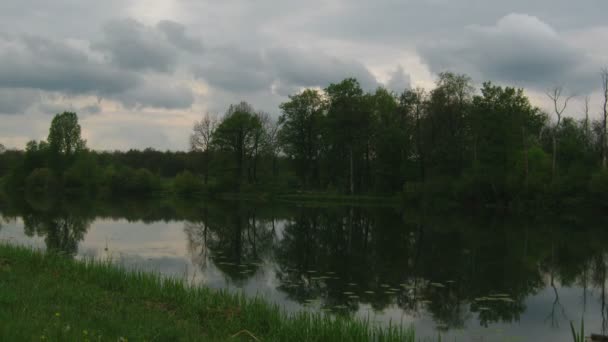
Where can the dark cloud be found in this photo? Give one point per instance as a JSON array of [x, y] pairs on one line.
[[518, 49], [52, 108], [17, 101], [280, 69], [134, 46], [175, 33], [157, 95], [305, 68], [236, 70], [50, 65]]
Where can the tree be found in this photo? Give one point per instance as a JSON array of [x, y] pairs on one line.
[[390, 141], [558, 107], [411, 109], [448, 107], [236, 135], [348, 123], [502, 120], [201, 139], [64, 134], [604, 75], [271, 146], [300, 133], [2, 148]]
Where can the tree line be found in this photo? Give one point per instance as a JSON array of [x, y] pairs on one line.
[[452, 142]]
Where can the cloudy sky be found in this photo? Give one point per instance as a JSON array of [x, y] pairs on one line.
[[139, 72]]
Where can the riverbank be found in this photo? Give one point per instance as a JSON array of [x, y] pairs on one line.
[[45, 296]]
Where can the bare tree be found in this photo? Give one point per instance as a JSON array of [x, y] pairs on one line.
[[271, 130], [604, 74], [559, 107], [201, 138]]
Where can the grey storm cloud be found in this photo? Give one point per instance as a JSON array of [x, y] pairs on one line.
[[238, 70], [31, 64], [145, 54], [155, 95], [305, 68], [517, 49], [134, 46], [234, 69], [17, 101], [176, 34], [50, 65]]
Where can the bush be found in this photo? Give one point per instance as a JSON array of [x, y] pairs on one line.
[[41, 180], [186, 184], [83, 175], [598, 185], [123, 180]]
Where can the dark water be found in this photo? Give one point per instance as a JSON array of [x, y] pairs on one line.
[[470, 278]]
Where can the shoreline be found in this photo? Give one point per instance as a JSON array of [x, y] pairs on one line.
[[46, 296]]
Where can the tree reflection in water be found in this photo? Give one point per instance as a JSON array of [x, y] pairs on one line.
[[346, 258], [450, 267]]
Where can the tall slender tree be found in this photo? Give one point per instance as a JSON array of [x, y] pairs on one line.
[[559, 106], [604, 75], [300, 134], [201, 139], [235, 135]]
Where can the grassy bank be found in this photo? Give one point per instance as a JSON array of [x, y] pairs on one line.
[[49, 297]]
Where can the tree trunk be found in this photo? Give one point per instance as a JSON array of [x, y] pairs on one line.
[[526, 161], [554, 155], [352, 172], [207, 162], [605, 142]]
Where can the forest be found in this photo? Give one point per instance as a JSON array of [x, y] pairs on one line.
[[453, 144]]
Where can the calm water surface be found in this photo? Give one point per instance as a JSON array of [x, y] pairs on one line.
[[471, 278]]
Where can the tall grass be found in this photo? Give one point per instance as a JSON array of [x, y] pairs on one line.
[[47, 296]]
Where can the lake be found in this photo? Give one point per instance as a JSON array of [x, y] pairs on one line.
[[476, 277]]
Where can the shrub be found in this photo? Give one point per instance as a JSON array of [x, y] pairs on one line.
[[41, 180], [82, 175], [186, 184], [598, 185], [123, 180]]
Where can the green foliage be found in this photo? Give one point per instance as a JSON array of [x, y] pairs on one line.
[[598, 185], [187, 184], [123, 180], [580, 336], [41, 180], [64, 134], [138, 306], [452, 143], [238, 135], [301, 132], [83, 174]]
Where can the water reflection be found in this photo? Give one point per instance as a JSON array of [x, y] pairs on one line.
[[458, 272]]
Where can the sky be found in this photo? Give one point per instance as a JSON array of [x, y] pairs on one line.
[[140, 72]]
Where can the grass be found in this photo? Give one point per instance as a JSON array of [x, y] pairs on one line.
[[45, 296]]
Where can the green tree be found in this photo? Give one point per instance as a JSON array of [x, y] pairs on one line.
[[201, 139], [502, 124], [236, 135], [64, 134], [300, 133], [347, 130], [448, 107], [390, 140]]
